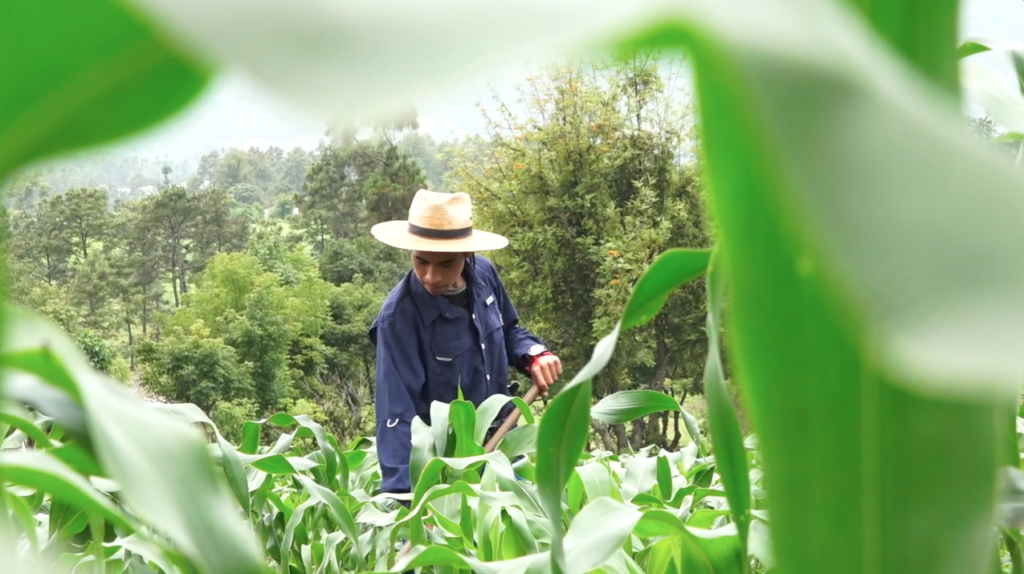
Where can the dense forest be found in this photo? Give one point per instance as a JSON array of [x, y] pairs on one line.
[[246, 286]]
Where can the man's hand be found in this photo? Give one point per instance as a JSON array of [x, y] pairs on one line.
[[545, 371]]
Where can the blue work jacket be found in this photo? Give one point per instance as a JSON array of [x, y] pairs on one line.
[[427, 347]]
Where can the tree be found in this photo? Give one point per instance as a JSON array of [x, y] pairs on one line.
[[218, 227], [354, 184], [86, 216], [169, 214], [589, 186], [25, 191], [429, 154]]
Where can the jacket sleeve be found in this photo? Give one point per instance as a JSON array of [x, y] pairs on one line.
[[518, 339], [400, 378]]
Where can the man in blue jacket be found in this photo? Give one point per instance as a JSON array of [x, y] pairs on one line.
[[447, 324]]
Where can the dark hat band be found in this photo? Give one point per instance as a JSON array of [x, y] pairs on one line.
[[440, 233]]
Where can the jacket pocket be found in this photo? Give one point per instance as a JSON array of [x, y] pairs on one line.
[[448, 361]]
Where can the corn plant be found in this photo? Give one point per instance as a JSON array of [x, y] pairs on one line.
[[865, 249]]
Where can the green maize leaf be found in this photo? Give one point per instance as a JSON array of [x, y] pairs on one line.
[[291, 529], [521, 524], [574, 492], [25, 517], [422, 448], [594, 537], [1003, 103], [619, 563], [439, 427], [977, 45], [597, 481], [561, 437], [462, 417], [230, 459], [438, 491], [564, 428], [45, 365], [625, 406], [36, 392], [18, 420], [119, 78], [658, 557], [450, 526], [705, 518], [760, 544], [277, 463], [1010, 498], [702, 493], [77, 458], [855, 321], [923, 31], [524, 410], [134, 443], [340, 513], [668, 272], [597, 532], [730, 454], [664, 475], [420, 557], [511, 544], [648, 500], [307, 427], [142, 549], [701, 551], [641, 476], [694, 431], [485, 415], [40, 470], [520, 440]]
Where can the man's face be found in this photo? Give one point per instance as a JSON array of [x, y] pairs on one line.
[[438, 272]]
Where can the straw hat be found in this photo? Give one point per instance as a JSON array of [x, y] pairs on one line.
[[441, 222]]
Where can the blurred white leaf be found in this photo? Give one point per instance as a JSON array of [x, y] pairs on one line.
[[363, 58], [1004, 103]]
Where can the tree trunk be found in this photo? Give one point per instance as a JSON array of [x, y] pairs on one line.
[[131, 353], [174, 285], [606, 437], [657, 434], [621, 441], [638, 434], [145, 313], [181, 276], [674, 445]]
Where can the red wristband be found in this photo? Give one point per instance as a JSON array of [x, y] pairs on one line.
[[530, 366]]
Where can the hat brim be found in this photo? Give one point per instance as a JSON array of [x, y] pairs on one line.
[[396, 234]]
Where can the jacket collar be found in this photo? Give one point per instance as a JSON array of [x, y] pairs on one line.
[[430, 306]]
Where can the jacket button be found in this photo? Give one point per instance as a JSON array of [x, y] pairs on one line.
[[483, 346], [488, 377]]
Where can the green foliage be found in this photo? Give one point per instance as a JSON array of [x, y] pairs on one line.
[[100, 355], [191, 366], [588, 185], [354, 184]]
